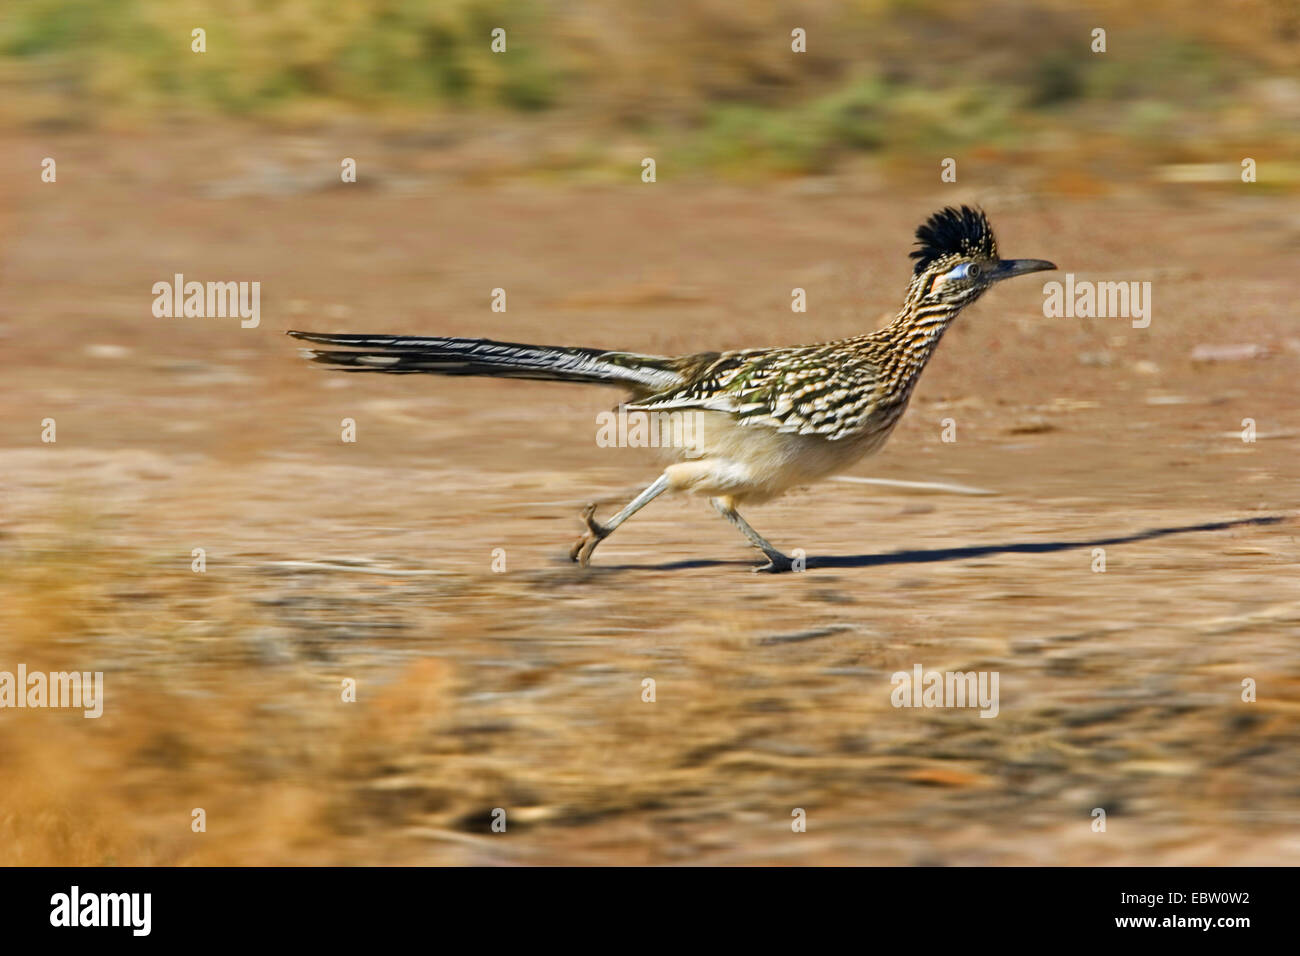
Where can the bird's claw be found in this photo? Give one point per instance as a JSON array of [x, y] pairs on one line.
[[777, 563], [596, 533]]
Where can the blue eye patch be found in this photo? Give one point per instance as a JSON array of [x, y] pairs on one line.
[[967, 270]]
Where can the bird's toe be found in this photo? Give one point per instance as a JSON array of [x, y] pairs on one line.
[[776, 564], [583, 548]]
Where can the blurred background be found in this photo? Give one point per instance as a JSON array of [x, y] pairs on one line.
[[712, 85], [483, 688]]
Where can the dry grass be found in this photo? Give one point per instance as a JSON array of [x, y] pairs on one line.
[[523, 692]]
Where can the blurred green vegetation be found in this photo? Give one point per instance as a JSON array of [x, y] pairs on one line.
[[118, 53], [720, 77]]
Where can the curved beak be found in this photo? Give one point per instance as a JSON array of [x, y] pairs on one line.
[[1008, 268]]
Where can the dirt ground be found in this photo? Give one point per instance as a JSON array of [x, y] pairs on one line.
[[522, 690]]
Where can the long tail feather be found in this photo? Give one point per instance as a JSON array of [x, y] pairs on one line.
[[405, 355]]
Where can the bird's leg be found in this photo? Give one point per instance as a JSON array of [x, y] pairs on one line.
[[776, 561], [597, 532]]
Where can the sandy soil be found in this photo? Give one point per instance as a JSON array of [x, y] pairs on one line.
[[522, 690]]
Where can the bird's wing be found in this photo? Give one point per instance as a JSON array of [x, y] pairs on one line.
[[810, 391]]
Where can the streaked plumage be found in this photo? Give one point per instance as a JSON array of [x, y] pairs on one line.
[[768, 419]]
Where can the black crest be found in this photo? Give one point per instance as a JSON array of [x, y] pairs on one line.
[[954, 232]]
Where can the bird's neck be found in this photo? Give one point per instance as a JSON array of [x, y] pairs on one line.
[[914, 335]]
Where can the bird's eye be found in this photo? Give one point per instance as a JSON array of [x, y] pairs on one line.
[[966, 271]]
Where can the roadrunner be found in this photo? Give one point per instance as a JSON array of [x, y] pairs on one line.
[[765, 420]]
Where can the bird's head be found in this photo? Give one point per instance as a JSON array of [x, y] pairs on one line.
[[957, 259]]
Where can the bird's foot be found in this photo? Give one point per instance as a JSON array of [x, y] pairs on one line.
[[777, 563], [596, 533]]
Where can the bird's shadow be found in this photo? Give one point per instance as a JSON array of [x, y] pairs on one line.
[[932, 555]]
